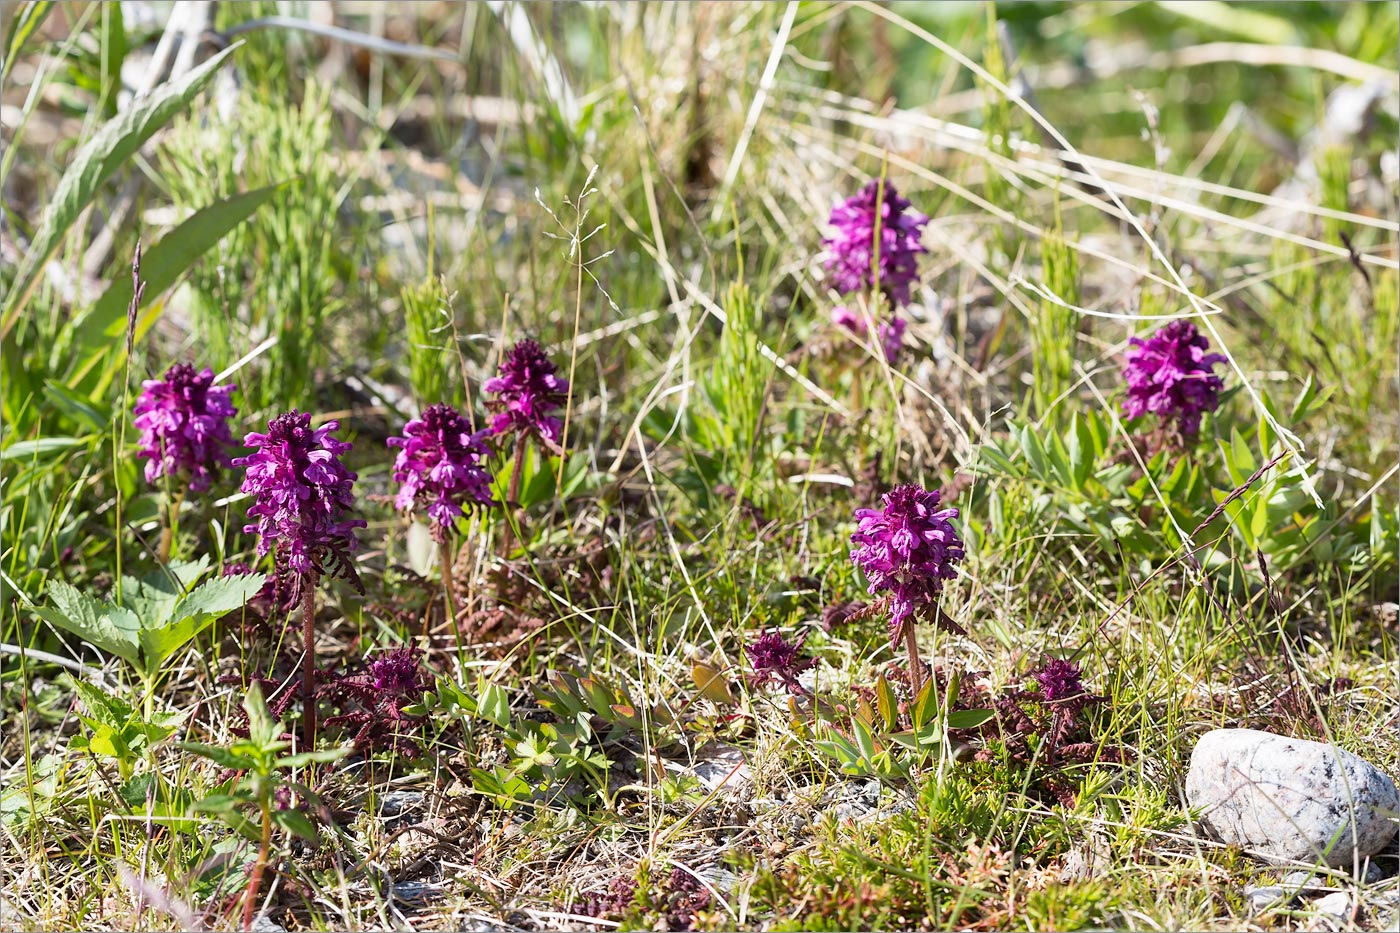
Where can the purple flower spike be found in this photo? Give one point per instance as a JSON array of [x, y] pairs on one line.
[[909, 548], [1170, 375], [441, 463], [527, 393], [395, 673], [301, 493], [775, 659], [183, 420], [850, 249], [1059, 680]]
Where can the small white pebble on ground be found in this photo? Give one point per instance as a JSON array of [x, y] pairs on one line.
[[1338, 904], [1288, 799]]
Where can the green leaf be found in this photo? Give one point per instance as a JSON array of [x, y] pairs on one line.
[[219, 755], [41, 447], [262, 730], [492, 704], [102, 707], [1035, 454], [110, 743], [109, 627], [165, 262], [865, 741], [296, 823], [99, 158], [1081, 452], [302, 759], [95, 415], [969, 718], [219, 596], [884, 698], [925, 705]]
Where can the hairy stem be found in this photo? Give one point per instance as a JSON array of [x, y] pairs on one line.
[[308, 664], [250, 897]]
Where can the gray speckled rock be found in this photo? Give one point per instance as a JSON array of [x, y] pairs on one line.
[[1290, 799]]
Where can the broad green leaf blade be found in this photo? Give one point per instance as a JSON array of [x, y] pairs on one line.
[[109, 627], [191, 614], [98, 159], [296, 823], [101, 706], [165, 262], [889, 706], [969, 718], [155, 595], [219, 596]]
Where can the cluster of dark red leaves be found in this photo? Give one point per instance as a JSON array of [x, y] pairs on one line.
[[370, 703], [678, 898]]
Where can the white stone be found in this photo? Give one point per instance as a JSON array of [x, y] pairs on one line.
[[1288, 799]]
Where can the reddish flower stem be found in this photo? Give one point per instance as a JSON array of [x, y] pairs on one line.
[[916, 666], [250, 897], [308, 669]]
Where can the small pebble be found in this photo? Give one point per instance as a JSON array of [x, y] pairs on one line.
[[1337, 905], [1262, 898]]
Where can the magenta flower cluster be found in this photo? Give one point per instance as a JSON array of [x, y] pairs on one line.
[[395, 673], [301, 493], [183, 419], [528, 392], [907, 549], [441, 462], [1059, 680], [851, 249], [1170, 375], [774, 659]]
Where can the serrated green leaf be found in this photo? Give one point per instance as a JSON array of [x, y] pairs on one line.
[[102, 707], [111, 628]]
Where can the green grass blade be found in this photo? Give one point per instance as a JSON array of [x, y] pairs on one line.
[[96, 161], [165, 262]]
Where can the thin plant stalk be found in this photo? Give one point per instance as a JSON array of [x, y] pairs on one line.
[[250, 897], [449, 591], [172, 521], [308, 671], [916, 667], [513, 495]]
